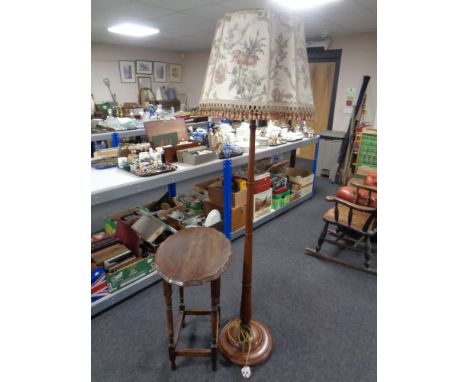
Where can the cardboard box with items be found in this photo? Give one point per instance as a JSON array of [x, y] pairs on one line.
[[125, 255], [237, 214], [238, 192], [262, 203], [196, 155]]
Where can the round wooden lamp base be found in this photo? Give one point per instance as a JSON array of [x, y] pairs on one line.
[[260, 349]]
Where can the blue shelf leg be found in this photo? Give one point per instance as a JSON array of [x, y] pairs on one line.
[[314, 166], [115, 140], [227, 178], [171, 187]]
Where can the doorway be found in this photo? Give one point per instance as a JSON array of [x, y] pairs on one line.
[[324, 68]]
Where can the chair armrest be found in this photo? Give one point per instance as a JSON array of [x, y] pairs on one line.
[[351, 205], [368, 188]]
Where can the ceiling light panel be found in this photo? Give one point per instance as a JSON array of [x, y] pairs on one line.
[[133, 30]]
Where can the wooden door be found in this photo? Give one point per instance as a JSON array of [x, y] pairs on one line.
[[322, 76]]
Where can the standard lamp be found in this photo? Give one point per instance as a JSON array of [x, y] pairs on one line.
[[257, 70]]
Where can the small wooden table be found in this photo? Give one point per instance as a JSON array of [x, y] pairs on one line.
[[193, 256]]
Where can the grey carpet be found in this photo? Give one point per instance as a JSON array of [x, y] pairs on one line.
[[322, 315]]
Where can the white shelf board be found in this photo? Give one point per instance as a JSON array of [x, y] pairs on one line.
[[114, 183], [135, 132], [113, 298], [271, 215]]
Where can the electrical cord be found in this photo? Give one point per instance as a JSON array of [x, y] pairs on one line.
[[245, 340]]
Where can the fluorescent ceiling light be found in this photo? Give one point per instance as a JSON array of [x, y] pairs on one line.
[[303, 4], [133, 30]]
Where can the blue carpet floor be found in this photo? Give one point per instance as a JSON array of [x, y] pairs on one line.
[[323, 316]]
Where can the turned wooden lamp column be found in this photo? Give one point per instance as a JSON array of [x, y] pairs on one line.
[[257, 70], [261, 344]]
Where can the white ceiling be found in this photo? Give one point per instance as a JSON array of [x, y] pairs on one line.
[[189, 24]]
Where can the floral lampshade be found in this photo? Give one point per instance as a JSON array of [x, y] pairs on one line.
[[258, 68]]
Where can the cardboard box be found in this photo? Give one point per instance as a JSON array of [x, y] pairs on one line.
[[237, 214], [262, 182], [149, 228], [111, 254], [130, 273], [306, 189], [152, 248], [99, 287], [170, 153], [164, 216], [131, 215], [180, 153], [216, 195], [302, 190], [186, 155], [299, 176], [262, 203], [202, 187], [189, 157]]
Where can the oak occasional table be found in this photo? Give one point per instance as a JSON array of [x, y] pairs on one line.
[[193, 256]]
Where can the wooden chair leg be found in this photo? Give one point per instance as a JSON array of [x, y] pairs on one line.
[[218, 297], [170, 323], [322, 236], [181, 304], [214, 324]]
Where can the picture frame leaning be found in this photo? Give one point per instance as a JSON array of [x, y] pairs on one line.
[[144, 82]]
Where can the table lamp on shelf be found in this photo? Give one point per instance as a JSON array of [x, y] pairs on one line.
[[257, 70]]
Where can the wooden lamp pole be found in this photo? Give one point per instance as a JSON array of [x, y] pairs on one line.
[[232, 341]]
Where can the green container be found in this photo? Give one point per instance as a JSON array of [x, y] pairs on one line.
[[368, 151], [130, 274], [280, 200]]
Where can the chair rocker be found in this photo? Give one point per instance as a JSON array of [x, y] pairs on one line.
[[355, 224]]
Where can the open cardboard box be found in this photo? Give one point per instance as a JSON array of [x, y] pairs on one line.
[[299, 176], [186, 155], [237, 213], [202, 187], [216, 195], [170, 153]]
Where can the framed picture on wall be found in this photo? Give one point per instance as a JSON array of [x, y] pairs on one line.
[[127, 71], [175, 73], [144, 67], [160, 72], [144, 83]]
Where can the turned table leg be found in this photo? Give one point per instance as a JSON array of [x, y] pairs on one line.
[[181, 304], [214, 322], [170, 323]]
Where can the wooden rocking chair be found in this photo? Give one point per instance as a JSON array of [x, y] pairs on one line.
[[356, 224]]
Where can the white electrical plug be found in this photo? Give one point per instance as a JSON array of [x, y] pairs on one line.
[[246, 373]]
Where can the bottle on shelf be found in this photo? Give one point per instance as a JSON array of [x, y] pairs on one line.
[[151, 110], [159, 111]]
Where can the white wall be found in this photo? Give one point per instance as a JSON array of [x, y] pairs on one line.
[[105, 64], [195, 68], [358, 58]]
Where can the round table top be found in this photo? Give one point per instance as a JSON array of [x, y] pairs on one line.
[[193, 256]]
